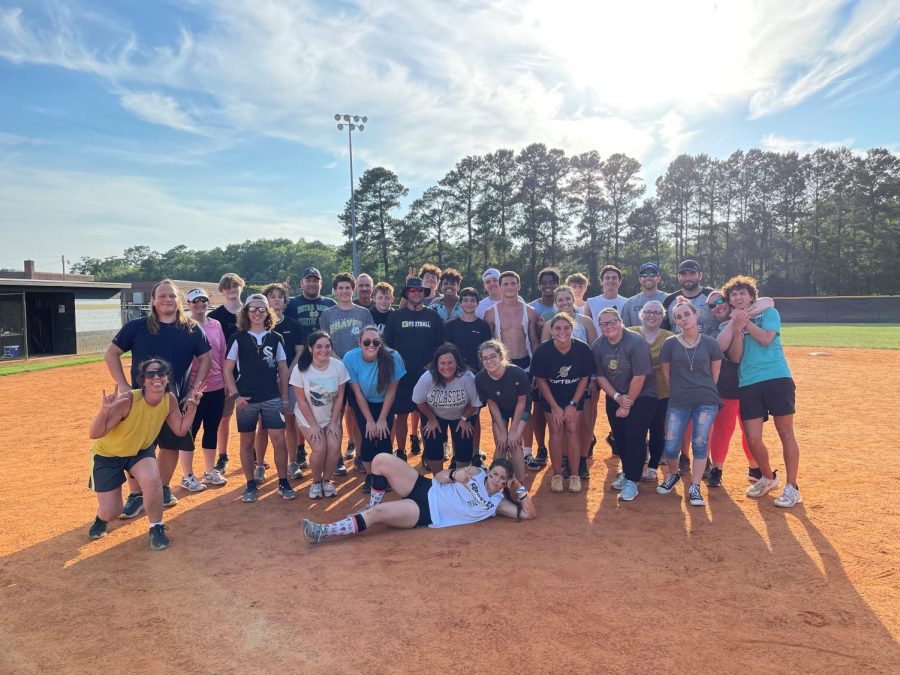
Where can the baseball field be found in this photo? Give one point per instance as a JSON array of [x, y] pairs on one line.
[[590, 586]]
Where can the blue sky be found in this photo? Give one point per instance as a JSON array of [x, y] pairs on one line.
[[205, 123]]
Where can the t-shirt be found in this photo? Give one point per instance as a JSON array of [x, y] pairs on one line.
[[307, 313], [760, 363], [289, 329], [344, 326], [460, 504], [439, 307], [631, 311], [690, 375], [506, 391], [447, 400], [563, 371], [415, 335], [662, 385], [620, 362], [365, 374], [599, 302], [706, 322], [380, 318], [483, 306], [212, 329], [467, 336], [226, 318], [544, 313], [320, 388], [176, 345]]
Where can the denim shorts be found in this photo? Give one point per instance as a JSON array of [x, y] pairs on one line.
[[269, 411]]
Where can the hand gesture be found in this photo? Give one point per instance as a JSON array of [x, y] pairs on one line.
[[411, 272], [109, 400], [194, 397]]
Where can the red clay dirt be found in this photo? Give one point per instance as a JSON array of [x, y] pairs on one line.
[[591, 586]]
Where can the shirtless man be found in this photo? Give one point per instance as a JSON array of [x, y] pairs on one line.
[[514, 323]]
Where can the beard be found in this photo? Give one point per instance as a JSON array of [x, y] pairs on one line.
[[690, 285]]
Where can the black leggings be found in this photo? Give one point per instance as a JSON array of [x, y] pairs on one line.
[[630, 434], [209, 414], [658, 432]]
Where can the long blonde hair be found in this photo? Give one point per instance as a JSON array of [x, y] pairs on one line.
[[182, 320]]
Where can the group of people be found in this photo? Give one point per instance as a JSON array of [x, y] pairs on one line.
[[676, 372]]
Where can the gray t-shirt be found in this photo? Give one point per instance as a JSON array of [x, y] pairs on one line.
[[631, 312], [706, 322], [690, 375], [450, 400], [619, 362], [344, 326]]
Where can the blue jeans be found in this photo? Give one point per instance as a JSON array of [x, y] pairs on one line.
[[677, 420]]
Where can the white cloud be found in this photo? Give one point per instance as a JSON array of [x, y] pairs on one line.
[[776, 143], [157, 108]]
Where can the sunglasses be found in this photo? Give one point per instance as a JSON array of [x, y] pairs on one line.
[[152, 374], [652, 312], [715, 303], [647, 275], [258, 310], [368, 342], [196, 300]]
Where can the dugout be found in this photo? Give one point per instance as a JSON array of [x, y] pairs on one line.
[[840, 309]]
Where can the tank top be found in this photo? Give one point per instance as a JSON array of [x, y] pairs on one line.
[[524, 326], [137, 431], [579, 332]]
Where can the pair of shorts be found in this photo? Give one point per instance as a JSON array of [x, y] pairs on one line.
[[167, 440], [403, 403], [579, 407], [108, 473], [419, 494], [769, 397], [269, 411], [463, 448], [370, 447]]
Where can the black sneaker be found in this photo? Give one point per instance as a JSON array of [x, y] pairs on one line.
[[754, 475], [669, 483], [414, 447], [340, 469], [565, 468], [707, 469], [591, 446], [351, 450], [134, 506], [98, 529], [583, 472], [611, 442], [158, 538], [532, 464], [169, 500], [302, 462], [401, 454], [715, 477], [684, 464], [541, 457], [358, 464], [222, 464], [367, 485]]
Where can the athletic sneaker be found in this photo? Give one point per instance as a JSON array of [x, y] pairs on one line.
[[286, 491], [715, 477], [158, 538], [250, 495], [328, 488], [213, 478], [754, 475], [169, 500], [340, 469], [222, 464], [541, 457], [574, 484], [315, 491], [191, 484], [763, 486], [98, 529], [706, 470], [259, 474], [358, 464], [650, 476], [694, 495], [134, 506], [789, 497], [532, 464], [611, 442], [556, 484], [620, 481], [629, 492], [314, 533], [367, 485], [414, 447], [590, 452], [351, 450], [565, 468], [668, 484], [583, 472], [294, 471], [302, 462], [401, 454], [684, 465]]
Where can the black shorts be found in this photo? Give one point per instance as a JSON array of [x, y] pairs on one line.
[[524, 363], [403, 403], [463, 448], [167, 440], [769, 397], [370, 447], [579, 407], [419, 494], [108, 473]]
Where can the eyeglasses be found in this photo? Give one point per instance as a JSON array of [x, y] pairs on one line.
[[197, 300], [152, 374], [258, 310], [651, 312], [490, 357], [368, 342], [608, 324], [715, 303]]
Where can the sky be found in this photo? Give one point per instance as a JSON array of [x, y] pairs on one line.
[[206, 122]]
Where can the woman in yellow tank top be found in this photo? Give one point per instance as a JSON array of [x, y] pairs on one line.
[[125, 431]]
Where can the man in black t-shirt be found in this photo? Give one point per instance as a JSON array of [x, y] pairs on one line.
[[381, 308], [307, 307]]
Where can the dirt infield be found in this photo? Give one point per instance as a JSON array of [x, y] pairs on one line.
[[590, 586]]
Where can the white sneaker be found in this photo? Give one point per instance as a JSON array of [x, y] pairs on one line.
[[191, 484], [763, 486], [328, 488], [213, 478], [619, 482], [789, 497], [315, 490], [649, 475]]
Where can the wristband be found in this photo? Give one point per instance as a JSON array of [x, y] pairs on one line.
[[521, 492], [235, 396], [616, 397], [573, 404], [452, 475]]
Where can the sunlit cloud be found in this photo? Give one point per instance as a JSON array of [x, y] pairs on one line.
[[157, 108]]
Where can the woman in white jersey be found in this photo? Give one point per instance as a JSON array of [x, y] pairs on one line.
[[455, 497]]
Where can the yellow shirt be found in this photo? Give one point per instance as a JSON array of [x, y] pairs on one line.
[[135, 432], [655, 348]]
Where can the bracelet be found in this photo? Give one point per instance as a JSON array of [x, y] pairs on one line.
[[452, 475], [616, 397], [235, 396]]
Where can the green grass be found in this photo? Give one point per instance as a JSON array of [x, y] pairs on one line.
[[18, 367], [856, 335]]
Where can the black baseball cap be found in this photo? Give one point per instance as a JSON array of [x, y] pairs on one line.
[[650, 267], [312, 272], [688, 265]]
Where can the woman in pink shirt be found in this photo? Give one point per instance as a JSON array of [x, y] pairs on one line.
[[209, 412]]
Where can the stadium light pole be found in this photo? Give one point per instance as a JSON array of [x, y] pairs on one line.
[[353, 123]]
